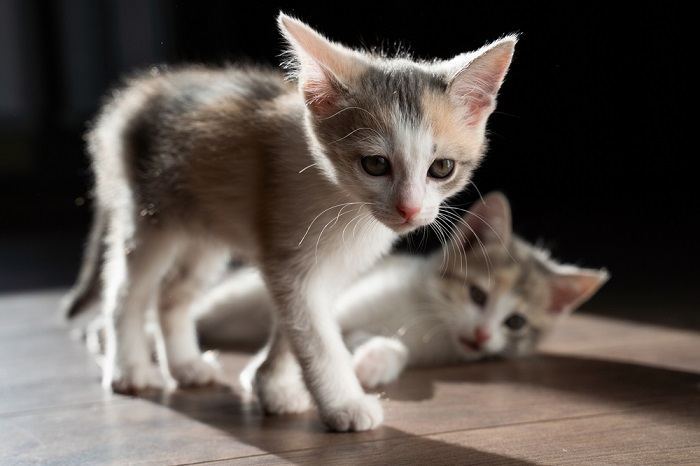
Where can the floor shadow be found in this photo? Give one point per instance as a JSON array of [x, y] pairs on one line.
[[609, 381], [302, 439]]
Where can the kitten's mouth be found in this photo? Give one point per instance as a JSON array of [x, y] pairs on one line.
[[406, 226], [401, 227], [469, 345]]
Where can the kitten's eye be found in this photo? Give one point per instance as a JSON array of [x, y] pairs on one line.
[[478, 295], [441, 168], [375, 165], [515, 321]]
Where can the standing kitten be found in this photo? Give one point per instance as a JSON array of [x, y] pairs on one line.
[[196, 164], [491, 295]]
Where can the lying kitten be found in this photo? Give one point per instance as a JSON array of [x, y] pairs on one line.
[[491, 295], [195, 164]]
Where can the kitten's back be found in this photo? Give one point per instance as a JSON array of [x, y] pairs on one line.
[[170, 139]]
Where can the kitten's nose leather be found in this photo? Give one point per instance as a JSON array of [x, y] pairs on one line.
[[481, 336], [407, 211]]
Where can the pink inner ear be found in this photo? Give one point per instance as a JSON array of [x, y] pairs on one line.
[[476, 107], [474, 97], [479, 96], [321, 90], [476, 86], [319, 98], [571, 290], [563, 297]]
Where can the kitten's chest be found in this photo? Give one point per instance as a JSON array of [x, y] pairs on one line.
[[351, 245]]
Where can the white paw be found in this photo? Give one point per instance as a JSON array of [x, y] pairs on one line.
[[281, 393], [356, 415], [197, 372], [379, 361], [134, 378]]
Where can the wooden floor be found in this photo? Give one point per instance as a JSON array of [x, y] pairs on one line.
[[602, 392]]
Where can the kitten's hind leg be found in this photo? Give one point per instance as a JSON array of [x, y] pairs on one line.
[[195, 270], [132, 273]]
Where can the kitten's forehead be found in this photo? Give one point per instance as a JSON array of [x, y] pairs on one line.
[[527, 277], [403, 85], [513, 269], [415, 112]]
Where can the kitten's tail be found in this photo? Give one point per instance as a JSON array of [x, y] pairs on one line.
[[87, 288]]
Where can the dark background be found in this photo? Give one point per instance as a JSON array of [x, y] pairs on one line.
[[589, 141]]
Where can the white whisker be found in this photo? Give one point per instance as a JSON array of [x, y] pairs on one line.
[[481, 244], [307, 167], [353, 108], [323, 212], [355, 131], [485, 222]]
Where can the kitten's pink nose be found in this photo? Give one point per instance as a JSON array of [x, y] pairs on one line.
[[407, 211], [481, 336]]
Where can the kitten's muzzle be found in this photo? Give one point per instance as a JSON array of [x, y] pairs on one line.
[[407, 211], [477, 342]]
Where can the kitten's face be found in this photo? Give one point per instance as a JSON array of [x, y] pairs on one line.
[[399, 136], [399, 145], [499, 307], [511, 294]]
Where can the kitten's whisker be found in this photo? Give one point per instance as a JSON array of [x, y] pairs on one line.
[[353, 108], [354, 229], [337, 217], [307, 167], [352, 220], [461, 238], [485, 222], [422, 237], [441, 309], [448, 244], [401, 331], [334, 221], [442, 247], [430, 226], [459, 249], [373, 225], [323, 212], [477, 191], [481, 244], [355, 131], [432, 332], [368, 228]]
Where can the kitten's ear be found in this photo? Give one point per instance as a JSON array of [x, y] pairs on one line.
[[320, 65], [572, 286], [488, 220], [478, 77]]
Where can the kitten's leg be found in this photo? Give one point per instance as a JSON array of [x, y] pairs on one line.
[[277, 380], [132, 273], [195, 270], [378, 360], [306, 318]]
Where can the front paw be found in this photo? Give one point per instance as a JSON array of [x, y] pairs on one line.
[[379, 361], [281, 393], [198, 372], [130, 379], [356, 415]]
